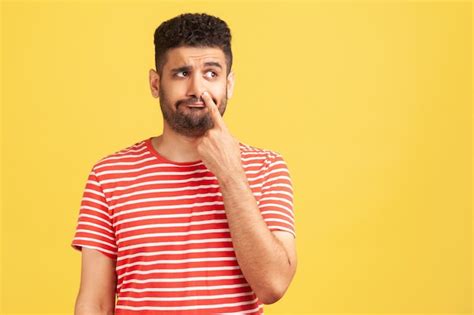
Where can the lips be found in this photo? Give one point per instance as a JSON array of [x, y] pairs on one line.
[[196, 105]]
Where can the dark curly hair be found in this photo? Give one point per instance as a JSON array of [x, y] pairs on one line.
[[195, 30]]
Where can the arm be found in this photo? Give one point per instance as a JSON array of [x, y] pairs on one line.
[[98, 280], [267, 259]]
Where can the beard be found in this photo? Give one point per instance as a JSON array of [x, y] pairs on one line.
[[189, 122]]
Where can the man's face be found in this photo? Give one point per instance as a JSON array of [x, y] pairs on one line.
[[187, 73]]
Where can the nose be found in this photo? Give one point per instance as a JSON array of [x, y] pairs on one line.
[[196, 86]]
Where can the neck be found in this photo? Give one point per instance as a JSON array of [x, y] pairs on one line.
[[176, 147]]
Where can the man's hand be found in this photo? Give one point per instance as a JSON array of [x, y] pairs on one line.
[[218, 149], [267, 261]]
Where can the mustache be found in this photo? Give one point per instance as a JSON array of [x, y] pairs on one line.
[[192, 100]]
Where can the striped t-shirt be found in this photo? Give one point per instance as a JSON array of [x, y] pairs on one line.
[[164, 223]]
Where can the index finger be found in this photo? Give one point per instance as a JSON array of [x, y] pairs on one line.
[[214, 110]]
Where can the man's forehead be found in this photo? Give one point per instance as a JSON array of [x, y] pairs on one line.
[[194, 56]]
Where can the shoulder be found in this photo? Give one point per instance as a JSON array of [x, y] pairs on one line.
[[267, 165], [130, 155], [250, 152]]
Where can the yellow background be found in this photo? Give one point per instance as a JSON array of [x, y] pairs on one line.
[[369, 103]]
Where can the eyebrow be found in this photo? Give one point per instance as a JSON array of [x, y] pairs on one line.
[[187, 67], [213, 63]]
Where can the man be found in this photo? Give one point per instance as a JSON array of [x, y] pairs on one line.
[[191, 221]]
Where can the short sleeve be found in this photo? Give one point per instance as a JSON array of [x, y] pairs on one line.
[[276, 202], [94, 225]]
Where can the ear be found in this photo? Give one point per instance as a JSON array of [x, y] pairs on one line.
[[230, 84], [154, 79]]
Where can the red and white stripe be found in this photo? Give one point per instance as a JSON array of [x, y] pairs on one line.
[[164, 223]]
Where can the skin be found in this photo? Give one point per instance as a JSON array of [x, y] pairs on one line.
[[267, 258]]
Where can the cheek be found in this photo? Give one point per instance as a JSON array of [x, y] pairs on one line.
[[173, 92], [218, 93]]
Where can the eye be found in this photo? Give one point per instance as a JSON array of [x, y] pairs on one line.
[[178, 73], [214, 74]]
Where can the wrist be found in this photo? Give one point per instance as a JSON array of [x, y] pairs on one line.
[[232, 177]]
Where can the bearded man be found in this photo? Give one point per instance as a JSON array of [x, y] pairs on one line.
[[191, 221]]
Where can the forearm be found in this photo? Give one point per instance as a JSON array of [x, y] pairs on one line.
[[91, 310], [85, 307], [262, 259]]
